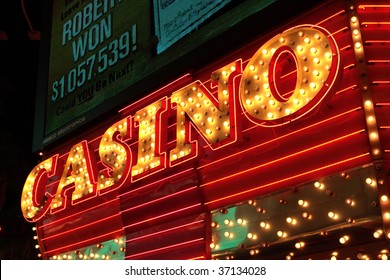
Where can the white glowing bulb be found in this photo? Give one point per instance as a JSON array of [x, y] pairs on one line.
[[369, 181], [303, 203], [358, 45], [291, 220], [368, 103], [299, 245], [332, 215], [344, 239], [373, 135], [378, 233], [370, 119], [384, 198], [349, 201]]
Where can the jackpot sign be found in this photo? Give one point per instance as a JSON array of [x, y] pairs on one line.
[[94, 54], [312, 51]]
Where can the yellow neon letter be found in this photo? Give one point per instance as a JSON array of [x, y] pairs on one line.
[[35, 201], [115, 155], [149, 156], [78, 177], [317, 60], [213, 118]]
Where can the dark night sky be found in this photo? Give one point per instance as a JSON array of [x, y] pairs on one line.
[[18, 75]]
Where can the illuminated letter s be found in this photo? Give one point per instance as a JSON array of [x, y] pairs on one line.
[[115, 155]]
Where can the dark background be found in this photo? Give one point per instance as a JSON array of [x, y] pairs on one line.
[[18, 75]]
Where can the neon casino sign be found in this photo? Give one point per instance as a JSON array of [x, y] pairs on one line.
[[316, 57]]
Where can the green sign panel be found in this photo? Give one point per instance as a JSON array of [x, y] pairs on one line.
[[98, 48]]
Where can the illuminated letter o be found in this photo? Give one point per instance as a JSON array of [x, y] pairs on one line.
[[317, 61]]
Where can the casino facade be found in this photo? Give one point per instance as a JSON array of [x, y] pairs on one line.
[[277, 148]]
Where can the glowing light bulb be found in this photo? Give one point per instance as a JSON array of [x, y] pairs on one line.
[[265, 225], [374, 135], [318, 185], [368, 103], [344, 239], [358, 45], [370, 181], [299, 245], [303, 203], [384, 198], [291, 221], [378, 233], [350, 201], [332, 215]]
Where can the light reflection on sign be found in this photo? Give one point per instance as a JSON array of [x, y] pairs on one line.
[[316, 59]]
